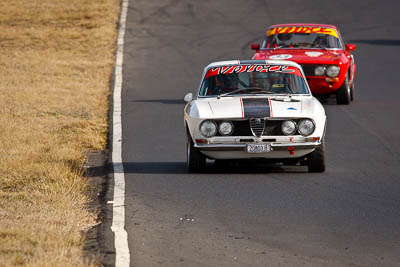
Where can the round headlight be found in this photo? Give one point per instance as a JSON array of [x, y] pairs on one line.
[[319, 71], [306, 127], [208, 128], [332, 71], [225, 128], [288, 127]]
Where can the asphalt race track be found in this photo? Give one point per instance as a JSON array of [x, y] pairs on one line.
[[252, 215]]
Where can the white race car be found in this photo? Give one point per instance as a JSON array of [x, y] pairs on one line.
[[254, 109]]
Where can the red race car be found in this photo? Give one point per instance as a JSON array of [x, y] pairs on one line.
[[327, 63]]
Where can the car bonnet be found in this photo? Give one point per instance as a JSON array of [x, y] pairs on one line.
[[252, 107]]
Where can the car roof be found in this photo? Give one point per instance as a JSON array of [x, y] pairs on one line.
[[255, 62], [303, 24]]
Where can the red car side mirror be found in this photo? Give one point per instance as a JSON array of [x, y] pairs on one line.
[[350, 47], [255, 47]]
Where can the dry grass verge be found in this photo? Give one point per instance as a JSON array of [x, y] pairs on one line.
[[56, 58]]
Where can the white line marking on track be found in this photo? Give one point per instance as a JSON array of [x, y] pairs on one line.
[[122, 255]]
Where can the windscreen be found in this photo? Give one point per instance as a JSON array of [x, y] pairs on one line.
[[253, 79], [302, 37]]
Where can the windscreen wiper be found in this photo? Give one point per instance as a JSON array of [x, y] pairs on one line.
[[282, 46], [320, 46], [291, 99]]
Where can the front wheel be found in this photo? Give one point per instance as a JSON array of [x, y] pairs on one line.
[[343, 94], [195, 160], [316, 159]]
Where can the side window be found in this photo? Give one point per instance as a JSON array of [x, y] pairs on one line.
[[204, 88], [333, 42], [265, 43]]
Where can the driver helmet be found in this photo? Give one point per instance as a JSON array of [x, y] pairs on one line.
[[284, 36]]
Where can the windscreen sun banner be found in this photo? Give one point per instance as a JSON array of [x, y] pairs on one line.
[[302, 29], [252, 68]]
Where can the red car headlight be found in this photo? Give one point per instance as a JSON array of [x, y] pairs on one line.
[[319, 71], [332, 71]]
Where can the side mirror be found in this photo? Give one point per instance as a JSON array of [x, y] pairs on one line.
[[188, 97], [255, 47], [350, 47]]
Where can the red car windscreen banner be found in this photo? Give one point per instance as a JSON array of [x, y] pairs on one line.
[[302, 29]]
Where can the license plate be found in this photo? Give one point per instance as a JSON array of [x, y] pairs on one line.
[[258, 148]]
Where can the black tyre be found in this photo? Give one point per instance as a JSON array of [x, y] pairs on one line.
[[352, 91], [316, 159], [222, 164], [343, 94], [196, 161]]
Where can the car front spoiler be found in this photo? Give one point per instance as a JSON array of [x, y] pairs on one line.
[[243, 147]]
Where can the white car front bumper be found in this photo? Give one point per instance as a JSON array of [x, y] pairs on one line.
[[239, 151]]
